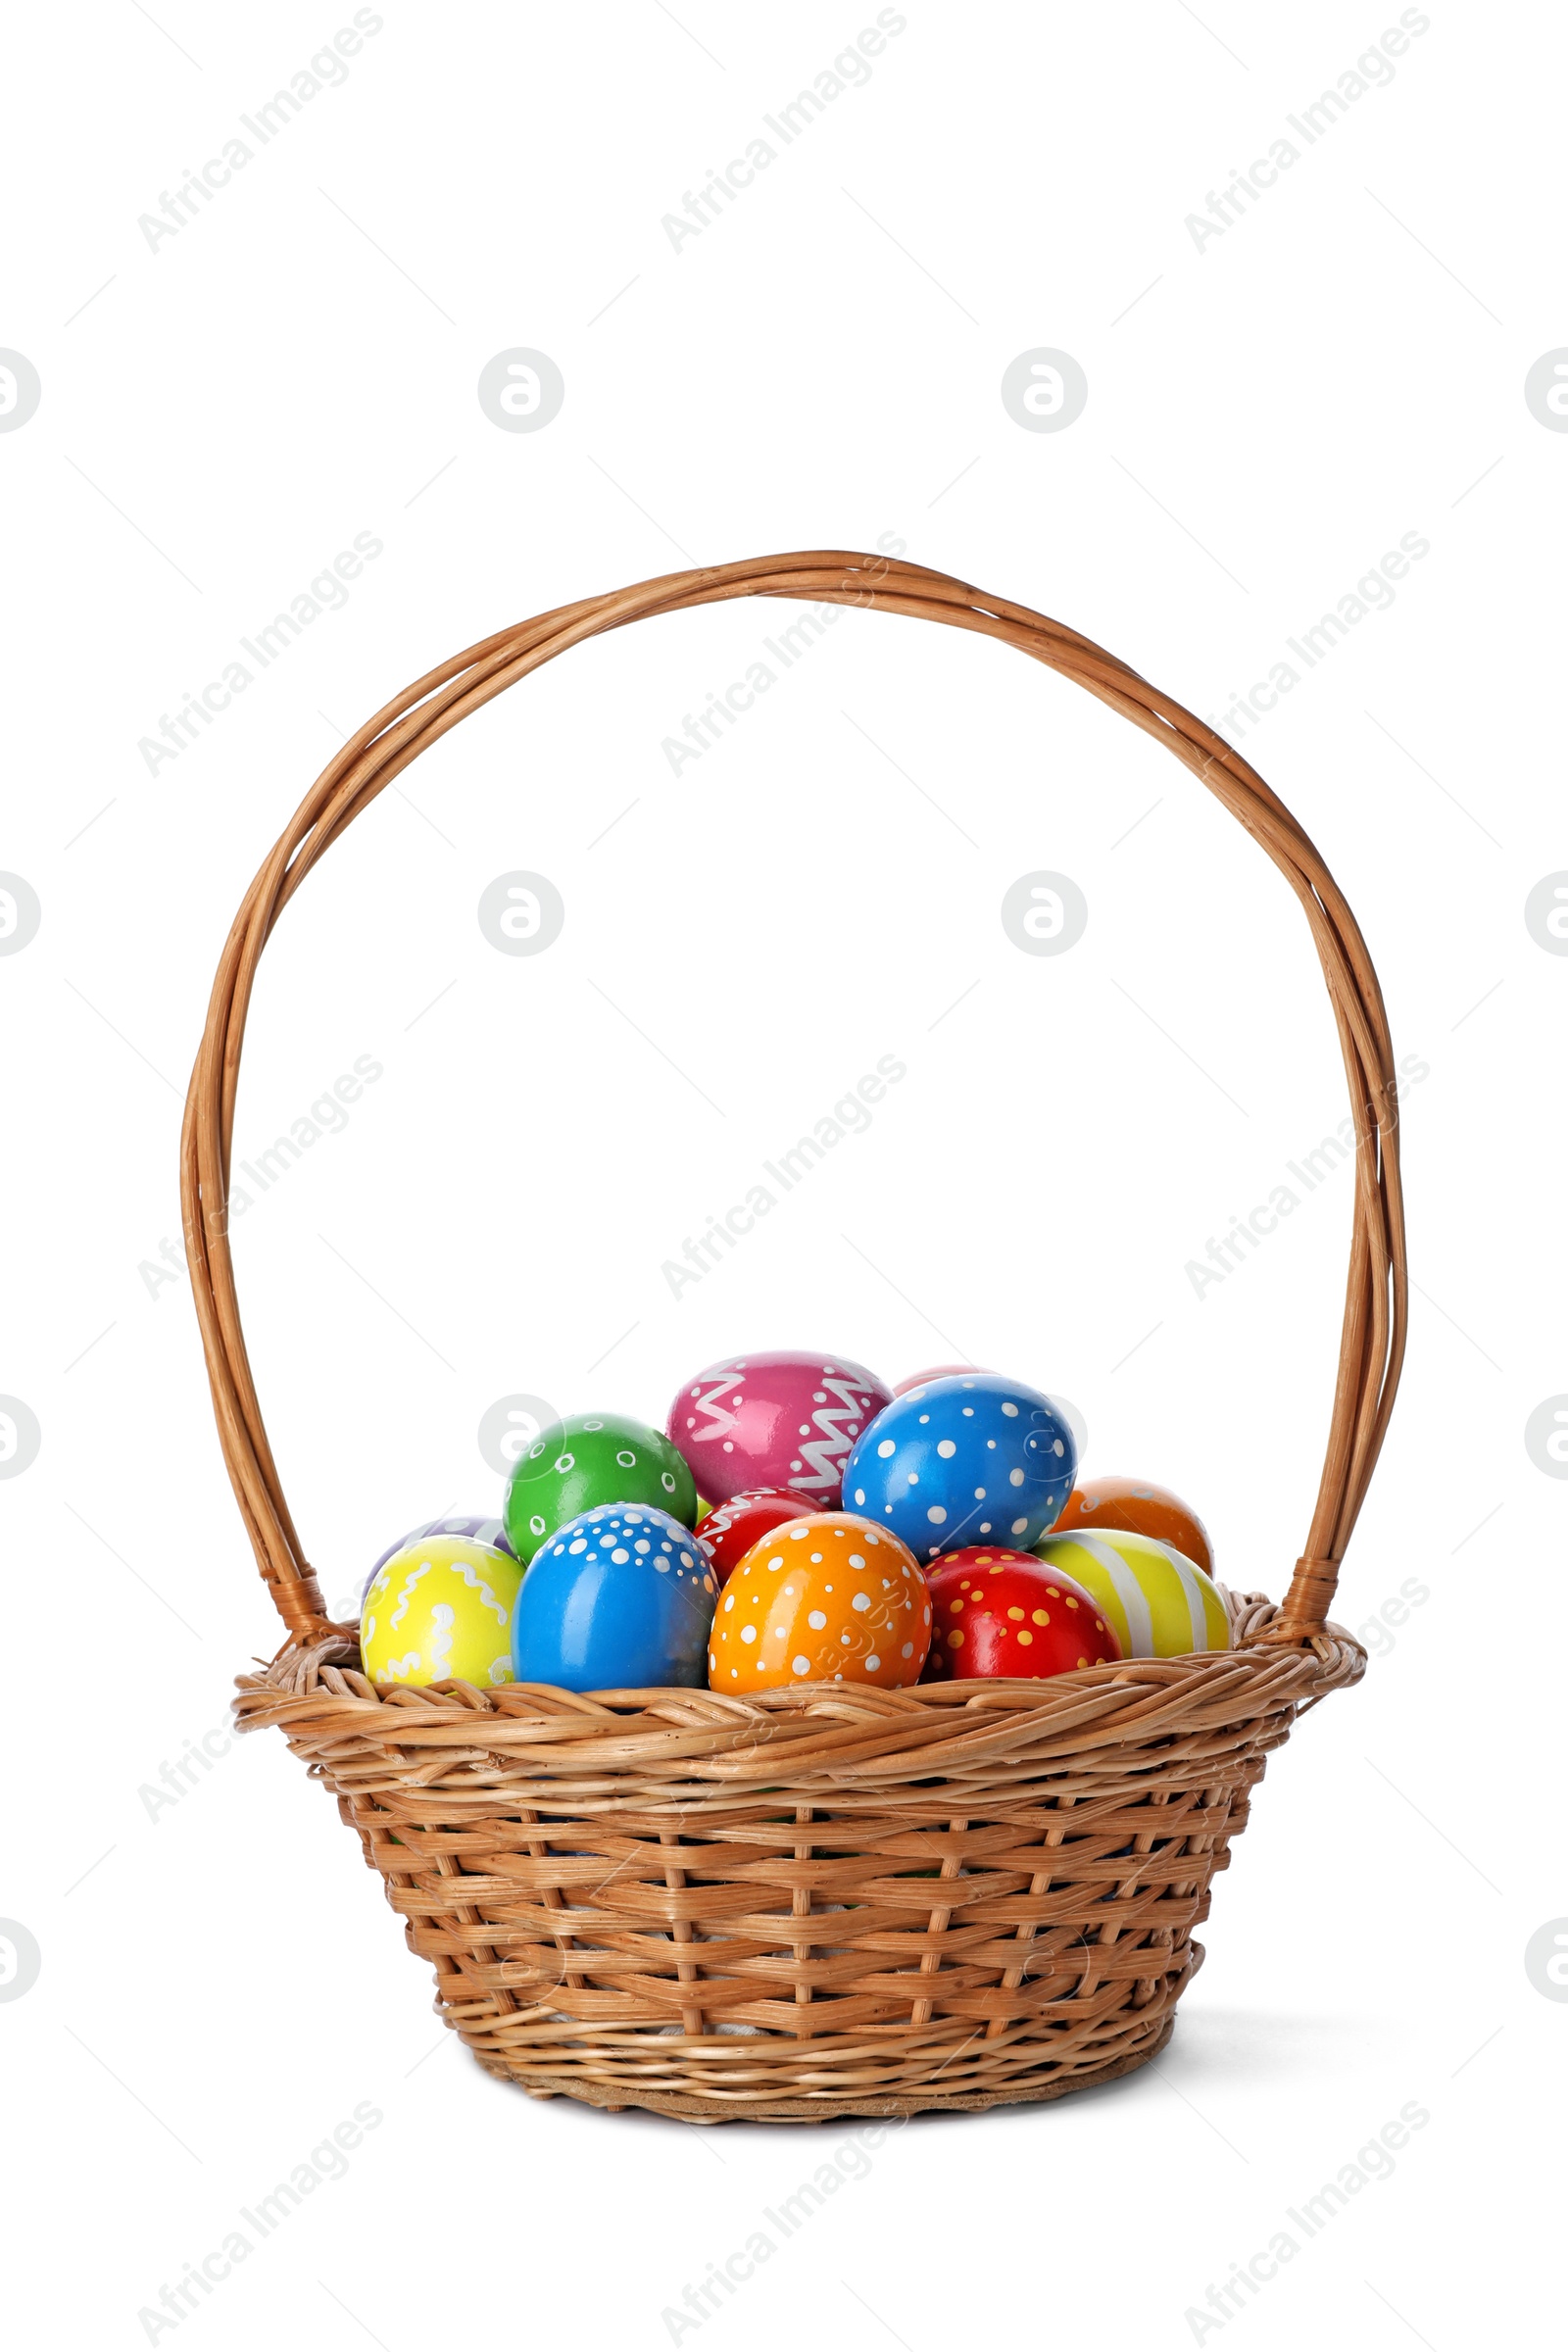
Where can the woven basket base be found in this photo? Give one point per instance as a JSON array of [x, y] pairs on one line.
[[983, 1894], [615, 2098]]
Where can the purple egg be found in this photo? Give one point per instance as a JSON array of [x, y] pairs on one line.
[[482, 1531]]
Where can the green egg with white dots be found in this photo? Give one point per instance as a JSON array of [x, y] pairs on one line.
[[582, 1463]]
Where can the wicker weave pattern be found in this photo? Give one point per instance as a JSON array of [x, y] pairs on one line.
[[816, 1901]]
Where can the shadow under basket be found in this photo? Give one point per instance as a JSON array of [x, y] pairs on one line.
[[828, 1901]]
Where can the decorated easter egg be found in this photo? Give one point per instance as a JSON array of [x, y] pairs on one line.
[[961, 1459], [1064, 1407], [727, 1532], [586, 1461], [784, 1418], [917, 1380], [482, 1531], [615, 1599], [1142, 1508], [1158, 1604], [828, 1599], [999, 1612], [441, 1610]]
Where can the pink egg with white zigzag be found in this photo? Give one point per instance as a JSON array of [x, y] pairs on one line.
[[782, 1418]]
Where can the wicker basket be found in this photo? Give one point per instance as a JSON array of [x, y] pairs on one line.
[[815, 1902]]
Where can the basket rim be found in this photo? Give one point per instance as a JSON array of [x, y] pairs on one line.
[[849, 1732]]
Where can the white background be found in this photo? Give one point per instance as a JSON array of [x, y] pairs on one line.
[[1268, 412]]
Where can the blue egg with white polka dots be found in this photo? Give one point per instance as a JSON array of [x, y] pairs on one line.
[[620, 1599], [963, 1460]]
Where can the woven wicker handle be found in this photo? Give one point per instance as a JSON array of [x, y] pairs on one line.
[[1372, 1345]]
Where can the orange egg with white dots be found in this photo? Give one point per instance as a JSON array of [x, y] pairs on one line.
[[1005, 1613], [825, 1598]]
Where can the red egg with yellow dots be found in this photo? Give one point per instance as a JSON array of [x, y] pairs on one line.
[[728, 1531], [1005, 1613], [828, 1599]]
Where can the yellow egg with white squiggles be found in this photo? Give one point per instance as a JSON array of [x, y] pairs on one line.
[[440, 1611]]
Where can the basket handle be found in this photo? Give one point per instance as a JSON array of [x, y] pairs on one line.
[[1372, 1343]]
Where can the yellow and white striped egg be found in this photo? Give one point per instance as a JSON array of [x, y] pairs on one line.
[[1159, 1604], [440, 1611]]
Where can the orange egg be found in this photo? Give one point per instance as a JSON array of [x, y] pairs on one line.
[[1140, 1508], [828, 1599]]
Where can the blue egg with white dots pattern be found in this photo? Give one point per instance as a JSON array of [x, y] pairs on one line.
[[970, 1459], [620, 1599]]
